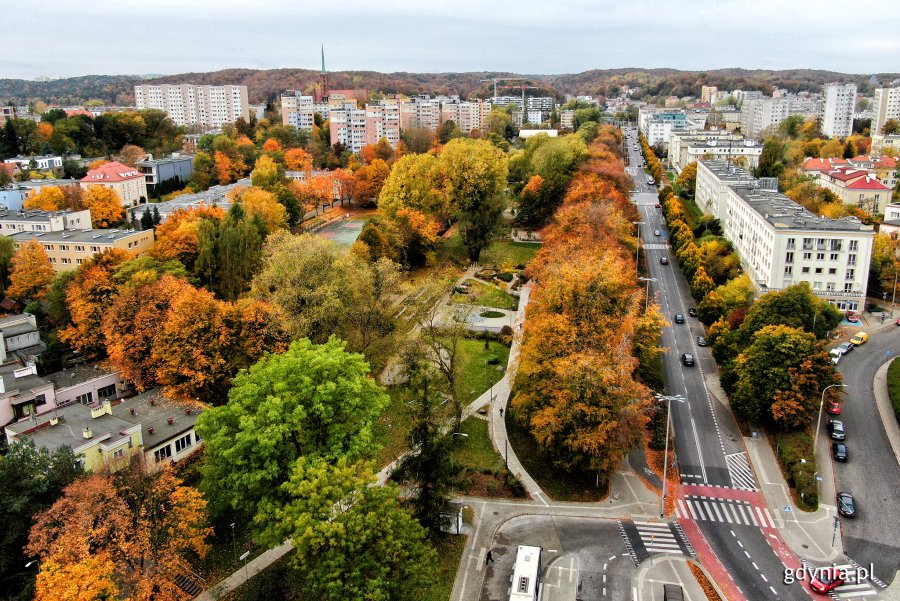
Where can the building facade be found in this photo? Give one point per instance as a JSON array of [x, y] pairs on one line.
[[298, 109], [856, 188], [12, 222], [41, 163], [195, 106], [129, 183], [780, 243], [886, 106], [67, 249], [172, 172], [838, 109]]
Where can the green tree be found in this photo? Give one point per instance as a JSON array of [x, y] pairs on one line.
[[204, 171], [146, 220], [448, 131], [7, 250], [32, 480], [477, 172], [891, 127], [230, 252], [312, 401], [771, 161], [795, 306], [266, 173], [354, 541], [849, 150]]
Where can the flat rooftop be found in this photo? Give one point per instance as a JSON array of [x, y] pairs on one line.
[[163, 161], [784, 213], [217, 195], [33, 215], [69, 431], [97, 236], [728, 173], [77, 374], [152, 409]]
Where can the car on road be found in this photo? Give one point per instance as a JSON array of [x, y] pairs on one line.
[[672, 592], [835, 355], [844, 347], [701, 341], [656, 232], [692, 312], [836, 429], [860, 339], [839, 451], [833, 408], [679, 318], [825, 580], [659, 206], [650, 181], [846, 505], [687, 359], [664, 260]]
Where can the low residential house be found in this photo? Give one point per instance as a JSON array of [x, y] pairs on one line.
[[891, 223], [815, 166], [167, 174], [37, 163], [20, 338], [87, 384], [127, 182], [68, 249], [27, 220], [219, 196], [857, 188], [150, 428], [882, 143]]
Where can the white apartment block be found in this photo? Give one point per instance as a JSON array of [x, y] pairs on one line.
[[467, 115], [43, 163], [761, 113], [744, 152], [837, 114], [886, 106], [26, 220], [298, 110], [201, 107], [780, 243]]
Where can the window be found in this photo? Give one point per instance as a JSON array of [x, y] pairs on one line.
[[63, 247], [850, 273], [118, 453], [829, 286], [95, 249], [817, 285], [851, 259], [789, 258], [66, 260], [833, 257], [807, 256], [163, 453], [182, 443], [818, 270], [820, 256], [835, 245], [853, 245], [832, 271], [848, 287], [789, 270], [86, 398], [106, 391], [804, 270], [79, 248]]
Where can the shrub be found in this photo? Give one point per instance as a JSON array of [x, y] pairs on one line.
[[493, 360], [506, 331], [505, 276]]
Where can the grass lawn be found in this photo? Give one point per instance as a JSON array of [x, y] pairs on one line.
[[893, 384], [508, 254], [482, 471], [475, 378], [798, 464], [450, 550], [487, 296], [559, 485]]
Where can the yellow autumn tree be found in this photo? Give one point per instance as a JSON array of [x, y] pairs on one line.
[[104, 204], [257, 201], [50, 198], [31, 272]]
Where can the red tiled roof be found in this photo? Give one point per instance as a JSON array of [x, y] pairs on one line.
[[10, 168], [886, 163], [845, 174], [73, 112], [867, 183], [812, 164], [111, 172]]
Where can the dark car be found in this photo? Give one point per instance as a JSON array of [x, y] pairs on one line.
[[836, 429], [664, 260], [687, 359], [701, 341], [679, 318], [657, 205], [692, 312], [839, 451], [825, 580], [846, 505]]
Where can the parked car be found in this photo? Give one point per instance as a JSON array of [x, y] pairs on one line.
[[659, 206], [836, 429], [664, 260], [839, 451], [846, 505], [845, 347], [692, 312], [687, 359], [898, 320], [825, 580], [860, 339], [835, 355], [833, 408], [656, 232], [701, 341], [679, 318], [672, 592], [852, 317]]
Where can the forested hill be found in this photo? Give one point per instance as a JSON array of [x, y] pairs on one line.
[[262, 84]]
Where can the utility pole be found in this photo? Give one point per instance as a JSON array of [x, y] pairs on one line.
[[668, 400]]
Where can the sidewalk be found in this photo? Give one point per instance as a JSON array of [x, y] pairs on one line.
[[808, 535], [659, 570]]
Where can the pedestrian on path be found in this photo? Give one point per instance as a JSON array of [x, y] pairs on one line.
[[501, 411], [489, 558]]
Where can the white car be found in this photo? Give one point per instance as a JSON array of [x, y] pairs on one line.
[[836, 355]]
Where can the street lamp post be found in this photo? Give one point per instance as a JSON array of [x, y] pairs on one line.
[[819, 420], [647, 300], [233, 545], [668, 400]]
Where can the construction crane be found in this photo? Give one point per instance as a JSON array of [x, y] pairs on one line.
[[496, 79]]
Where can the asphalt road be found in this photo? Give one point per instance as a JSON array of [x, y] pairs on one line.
[[872, 472]]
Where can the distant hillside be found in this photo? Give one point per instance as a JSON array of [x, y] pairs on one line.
[[263, 84]]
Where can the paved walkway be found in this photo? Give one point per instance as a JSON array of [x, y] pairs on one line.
[[659, 570]]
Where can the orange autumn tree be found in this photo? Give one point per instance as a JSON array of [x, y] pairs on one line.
[[265, 205], [104, 204], [50, 198], [90, 293], [297, 159], [369, 179], [176, 237], [31, 272], [135, 533]]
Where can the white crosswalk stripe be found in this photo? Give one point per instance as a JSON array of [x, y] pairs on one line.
[[655, 246], [658, 537], [730, 511], [740, 471], [851, 589]]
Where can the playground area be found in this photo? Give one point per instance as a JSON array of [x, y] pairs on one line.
[[343, 231]]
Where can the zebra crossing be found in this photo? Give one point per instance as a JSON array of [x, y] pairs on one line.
[[654, 246], [731, 511], [740, 471], [658, 537], [851, 589]]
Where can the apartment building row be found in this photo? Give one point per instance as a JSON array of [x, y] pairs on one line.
[[780, 243], [691, 145], [196, 106]]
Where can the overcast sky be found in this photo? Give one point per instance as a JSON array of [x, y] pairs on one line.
[[76, 37]]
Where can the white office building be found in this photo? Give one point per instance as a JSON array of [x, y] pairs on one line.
[[886, 106], [199, 107], [781, 243], [837, 114]]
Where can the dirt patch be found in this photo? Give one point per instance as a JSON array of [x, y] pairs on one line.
[[704, 583]]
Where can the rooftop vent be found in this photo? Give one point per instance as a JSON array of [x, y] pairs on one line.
[[170, 421], [87, 433], [151, 430]]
